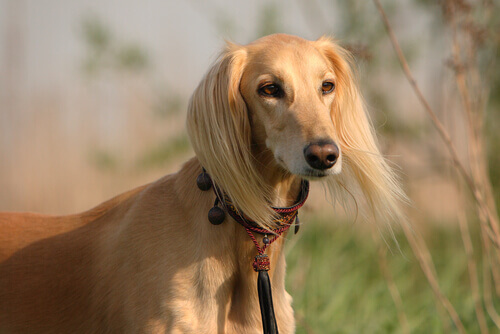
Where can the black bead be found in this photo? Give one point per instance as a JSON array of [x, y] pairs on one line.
[[297, 224], [216, 215], [265, 240], [204, 182]]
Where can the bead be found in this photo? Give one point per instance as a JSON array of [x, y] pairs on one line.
[[265, 240], [297, 224], [216, 215], [204, 182]]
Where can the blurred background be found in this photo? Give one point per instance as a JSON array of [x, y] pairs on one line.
[[93, 98]]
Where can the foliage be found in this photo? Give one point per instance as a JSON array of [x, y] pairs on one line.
[[269, 20], [168, 104], [104, 160], [165, 152], [105, 52]]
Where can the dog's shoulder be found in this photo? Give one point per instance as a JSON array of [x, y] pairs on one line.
[[172, 197]]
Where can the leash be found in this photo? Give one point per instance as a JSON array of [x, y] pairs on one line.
[[261, 264]]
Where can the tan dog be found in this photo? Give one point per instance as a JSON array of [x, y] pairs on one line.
[[265, 116]]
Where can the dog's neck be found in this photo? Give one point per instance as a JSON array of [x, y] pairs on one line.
[[285, 186], [286, 191]]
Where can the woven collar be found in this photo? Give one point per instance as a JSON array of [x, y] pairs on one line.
[[285, 215]]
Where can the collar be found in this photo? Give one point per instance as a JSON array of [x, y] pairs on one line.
[[284, 218]]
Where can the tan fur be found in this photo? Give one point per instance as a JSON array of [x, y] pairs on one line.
[[149, 261]]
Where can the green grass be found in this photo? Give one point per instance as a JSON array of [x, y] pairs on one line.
[[337, 285]]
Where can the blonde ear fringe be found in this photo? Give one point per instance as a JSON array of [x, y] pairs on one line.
[[220, 133], [365, 172], [219, 130]]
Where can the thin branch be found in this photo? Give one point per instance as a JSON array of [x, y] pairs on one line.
[[474, 281], [487, 293], [420, 250], [474, 118], [483, 207], [391, 285], [471, 91]]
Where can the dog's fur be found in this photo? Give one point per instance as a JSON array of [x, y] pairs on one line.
[[149, 260]]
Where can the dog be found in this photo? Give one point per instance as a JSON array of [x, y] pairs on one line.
[[266, 116]]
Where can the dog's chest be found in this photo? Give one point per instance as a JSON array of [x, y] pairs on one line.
[[208, 298]]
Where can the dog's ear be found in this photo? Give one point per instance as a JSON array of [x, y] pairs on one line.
[[219, 130], [362, 161]]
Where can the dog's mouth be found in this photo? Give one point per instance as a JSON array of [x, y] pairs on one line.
[[312, 174]]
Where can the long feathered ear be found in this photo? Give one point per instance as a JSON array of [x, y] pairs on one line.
[[365, 171], [219, 130]]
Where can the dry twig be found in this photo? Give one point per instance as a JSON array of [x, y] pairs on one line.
[[391, 285], [492, 228], [473, 96], [474, 281], [420, 250], [487, 293], [470, 88]]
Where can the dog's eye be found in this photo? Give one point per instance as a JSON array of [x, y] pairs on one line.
[[271, 90], [327, 87]]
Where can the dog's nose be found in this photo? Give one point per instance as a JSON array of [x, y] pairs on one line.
[[321, 155]]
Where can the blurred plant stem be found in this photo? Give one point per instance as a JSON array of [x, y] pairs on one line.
[[472, 92], [473, 95], [391, 284], [474, 184], [472, 267], [423, 255], [465, 43], [492, 229], [487, 290]]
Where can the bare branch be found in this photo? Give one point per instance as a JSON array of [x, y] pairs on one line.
[[393, 289], [421, 252], [482, 204], [471, 263]]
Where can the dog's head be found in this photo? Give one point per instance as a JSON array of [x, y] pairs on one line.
[[289, 86], [290, 105]]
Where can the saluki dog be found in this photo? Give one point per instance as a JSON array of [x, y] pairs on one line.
[[265, 117]]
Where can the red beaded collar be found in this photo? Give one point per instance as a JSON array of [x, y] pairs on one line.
[[285, 216]]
